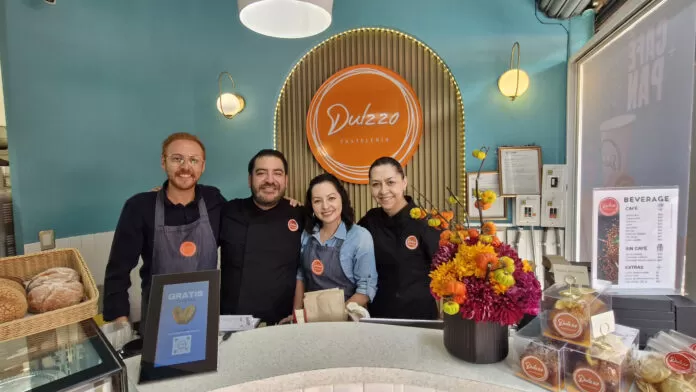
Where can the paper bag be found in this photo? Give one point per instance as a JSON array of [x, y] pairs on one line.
[[325, 305]]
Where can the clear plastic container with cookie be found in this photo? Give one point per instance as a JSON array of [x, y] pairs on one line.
[[607, 365], [567, 308], [536, 358], [666, 365]]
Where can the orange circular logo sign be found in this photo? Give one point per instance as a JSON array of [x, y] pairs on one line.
[[587, 380], [534, 368], [567, 325], [187, 249], [317, 267], [292, 225], [359, 114], [411, 242]]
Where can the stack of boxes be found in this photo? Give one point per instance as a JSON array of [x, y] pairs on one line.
[[568, 347], [654, 313]]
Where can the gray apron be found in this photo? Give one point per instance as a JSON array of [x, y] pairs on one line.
[[176, 249], [322, 268]]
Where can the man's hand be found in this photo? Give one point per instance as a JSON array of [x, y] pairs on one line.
[[293, 202], [287, 320]]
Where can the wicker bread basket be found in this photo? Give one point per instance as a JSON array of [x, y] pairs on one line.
[[27, 266]]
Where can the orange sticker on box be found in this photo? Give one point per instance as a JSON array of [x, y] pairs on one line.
[[317, 267], [359, 114], [187, 249], [411, 242], [587, 380]]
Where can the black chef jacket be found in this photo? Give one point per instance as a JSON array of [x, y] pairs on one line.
[[134, 238], [404, 248], [260, 254]]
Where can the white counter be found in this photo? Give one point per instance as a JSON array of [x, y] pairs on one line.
[[293, 357]]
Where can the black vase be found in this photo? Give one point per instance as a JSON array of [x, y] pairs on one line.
[[475, 342]]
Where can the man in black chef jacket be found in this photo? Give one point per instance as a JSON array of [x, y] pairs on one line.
[[173, 230], [260, 244]]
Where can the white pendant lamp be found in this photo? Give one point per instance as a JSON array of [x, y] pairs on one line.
[[286, 18]]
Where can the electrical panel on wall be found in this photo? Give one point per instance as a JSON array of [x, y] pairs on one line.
[[554, 185], [527, 210]]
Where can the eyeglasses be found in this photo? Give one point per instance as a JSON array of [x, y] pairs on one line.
[[178, 160]]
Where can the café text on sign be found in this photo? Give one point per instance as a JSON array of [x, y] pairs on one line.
[[359, 114]]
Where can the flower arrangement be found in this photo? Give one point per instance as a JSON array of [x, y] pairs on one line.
[[473, 273]]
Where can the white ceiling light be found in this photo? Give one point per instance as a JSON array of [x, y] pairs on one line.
[[286, 18]]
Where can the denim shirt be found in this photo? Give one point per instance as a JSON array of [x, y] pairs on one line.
[[357, 256]]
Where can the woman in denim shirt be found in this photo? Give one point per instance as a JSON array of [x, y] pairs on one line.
[[336, 253]]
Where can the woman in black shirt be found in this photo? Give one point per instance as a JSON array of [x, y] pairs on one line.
[[403, 247]]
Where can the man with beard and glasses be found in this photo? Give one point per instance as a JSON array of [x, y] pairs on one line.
[[260, 244], [173, 230]]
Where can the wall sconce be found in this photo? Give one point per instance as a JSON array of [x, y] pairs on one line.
[[228, 104], [514, 82]]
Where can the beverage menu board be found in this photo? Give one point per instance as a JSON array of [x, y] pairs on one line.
[[635, 237]]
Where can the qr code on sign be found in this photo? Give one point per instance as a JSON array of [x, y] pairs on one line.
[[181, 345]]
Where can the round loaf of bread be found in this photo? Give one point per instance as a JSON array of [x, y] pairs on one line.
[[54, 295], [13, 300], [52, 275]]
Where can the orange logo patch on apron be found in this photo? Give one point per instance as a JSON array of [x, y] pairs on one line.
[[187, 249], [292, 225], [411, 242], [317, 267]]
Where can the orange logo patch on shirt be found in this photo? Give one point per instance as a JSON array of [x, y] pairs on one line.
[[187, 249], [411, 242], [292, 225], [317, 267]]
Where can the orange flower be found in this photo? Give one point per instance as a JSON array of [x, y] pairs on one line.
[[447, 215], [496, 242], [473, 234], [444, 224], [445, 234], [484, 206], [488, 228]]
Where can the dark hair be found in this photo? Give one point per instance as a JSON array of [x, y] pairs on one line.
[[387, 161], [347, 213], [268, 153]]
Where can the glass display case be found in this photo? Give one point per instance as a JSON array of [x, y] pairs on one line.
[[73, 358]]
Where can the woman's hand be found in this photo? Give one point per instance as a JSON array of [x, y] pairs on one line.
[[287, 320]]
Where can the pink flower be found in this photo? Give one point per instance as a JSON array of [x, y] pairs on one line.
[[444, 254]]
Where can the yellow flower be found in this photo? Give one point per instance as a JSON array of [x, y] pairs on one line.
[[488, 196], [508, 264], [415, 213], [444, 273], [486, 239], [498, 288], [453, 200], [526, 267], [434, 222], [478, 154]]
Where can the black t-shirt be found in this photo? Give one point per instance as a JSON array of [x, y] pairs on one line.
[[260, 254], [404, 248]]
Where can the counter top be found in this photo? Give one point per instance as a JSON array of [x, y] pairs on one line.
[[331, 353]]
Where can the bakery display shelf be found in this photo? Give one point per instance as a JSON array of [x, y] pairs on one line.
[[24, 267]]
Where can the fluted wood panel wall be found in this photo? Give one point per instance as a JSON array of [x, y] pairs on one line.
[[439, 161]]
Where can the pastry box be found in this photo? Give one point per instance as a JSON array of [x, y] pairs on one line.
[[537, 358], [605, 366], [566, 311], [23, 268]]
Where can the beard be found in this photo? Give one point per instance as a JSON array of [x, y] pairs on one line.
[[180, 183], [265, 200]]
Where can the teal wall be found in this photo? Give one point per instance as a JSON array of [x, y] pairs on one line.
[[93, 86]]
